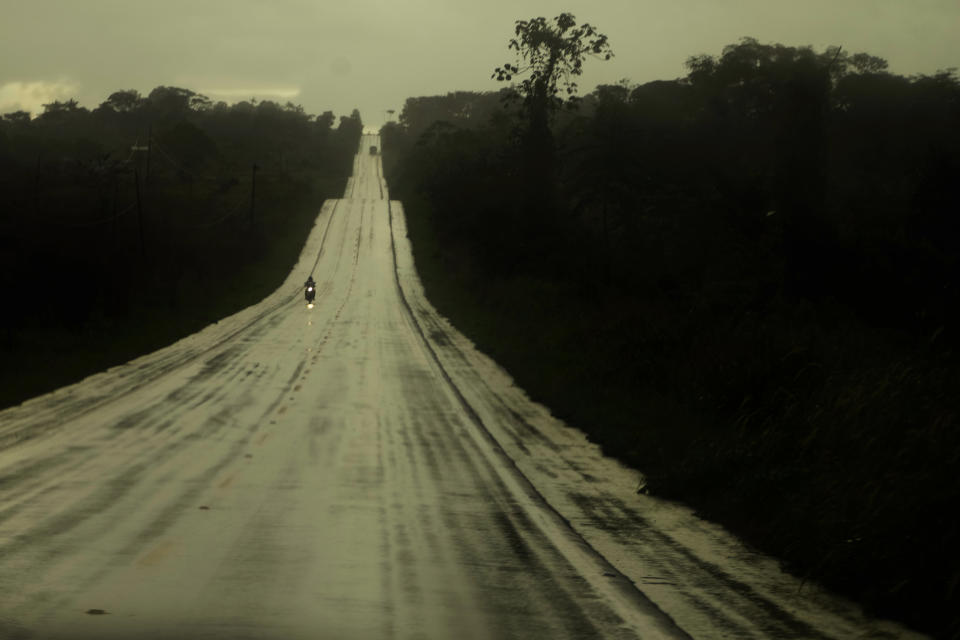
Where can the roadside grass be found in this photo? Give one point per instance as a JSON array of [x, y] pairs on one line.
[[820, 440], [47, 356]]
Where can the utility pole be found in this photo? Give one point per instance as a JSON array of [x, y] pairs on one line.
[[36, 185], [113, 224], [253, 190], [136, 182], [146, 180]]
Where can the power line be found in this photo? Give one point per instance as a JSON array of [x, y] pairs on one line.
[[94, 223], [212, 223], [173, 161]]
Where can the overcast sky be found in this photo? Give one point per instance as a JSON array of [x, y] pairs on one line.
[[373, 54]]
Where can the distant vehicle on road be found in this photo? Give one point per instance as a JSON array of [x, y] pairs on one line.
[[373, 150]]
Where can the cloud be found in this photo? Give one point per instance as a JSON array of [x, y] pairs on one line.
[[31, 96]]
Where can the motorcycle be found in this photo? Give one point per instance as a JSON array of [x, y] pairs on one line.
[[310, 294]]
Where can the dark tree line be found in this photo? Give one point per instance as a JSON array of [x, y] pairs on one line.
[[149, 207], [845, 167], [745, 285]]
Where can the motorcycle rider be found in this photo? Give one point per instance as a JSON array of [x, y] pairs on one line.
[[310, 288], [310, 283]]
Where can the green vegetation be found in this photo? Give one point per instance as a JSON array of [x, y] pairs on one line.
[[745, 288], [132, 225]]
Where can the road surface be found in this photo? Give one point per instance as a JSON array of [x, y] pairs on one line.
[[357, 470]]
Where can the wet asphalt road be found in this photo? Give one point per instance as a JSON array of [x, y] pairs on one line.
[[356, 470]]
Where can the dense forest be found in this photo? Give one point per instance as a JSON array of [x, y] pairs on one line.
[[742, 282], [130, 225]]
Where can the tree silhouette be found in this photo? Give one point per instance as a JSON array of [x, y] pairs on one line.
[[123, 101], [550, 54], [19, 117]]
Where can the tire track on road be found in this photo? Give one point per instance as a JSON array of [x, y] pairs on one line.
[[622, 588], [62, 409]]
